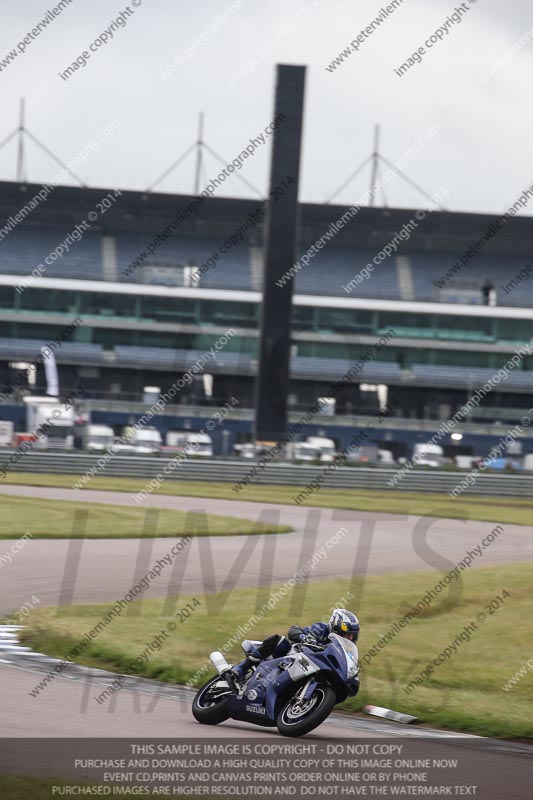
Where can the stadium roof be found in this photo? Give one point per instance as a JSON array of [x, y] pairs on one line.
[[151, 212]]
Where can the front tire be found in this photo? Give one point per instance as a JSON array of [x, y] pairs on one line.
[[297, 719], [210, 701]]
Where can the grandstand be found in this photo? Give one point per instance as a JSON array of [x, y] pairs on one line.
[[147, 318]]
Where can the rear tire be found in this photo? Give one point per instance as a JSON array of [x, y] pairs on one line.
[[296, 720], [209, 704]]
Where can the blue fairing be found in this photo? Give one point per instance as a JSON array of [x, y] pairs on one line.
[[336, 664]]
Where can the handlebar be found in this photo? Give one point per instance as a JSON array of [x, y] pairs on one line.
[[312, 644]]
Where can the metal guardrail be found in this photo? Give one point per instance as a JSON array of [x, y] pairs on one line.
[[275, 473]]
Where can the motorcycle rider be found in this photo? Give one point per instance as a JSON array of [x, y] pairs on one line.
[[342, 622]]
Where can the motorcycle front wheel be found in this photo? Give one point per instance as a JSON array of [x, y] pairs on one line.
[[210, 701], [296, 718]]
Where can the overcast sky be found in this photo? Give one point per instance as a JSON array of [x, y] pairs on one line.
[[482, 155]]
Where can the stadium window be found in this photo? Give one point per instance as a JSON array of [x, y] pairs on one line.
[[110, 337], [48, 301], [303, 318], [7, 297], [168, 309], [407, 324], [107, 304], [33, 331], [244, 315], [513, 330], [163, 339], [237, 344], [324, 349], [450, 326], [461, 358], [343, 320]]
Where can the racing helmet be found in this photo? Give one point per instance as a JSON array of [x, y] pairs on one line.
[[345, 624]]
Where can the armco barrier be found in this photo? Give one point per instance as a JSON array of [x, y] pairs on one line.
[[234, 471]]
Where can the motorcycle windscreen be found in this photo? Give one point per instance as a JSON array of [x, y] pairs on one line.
[[350, 651]]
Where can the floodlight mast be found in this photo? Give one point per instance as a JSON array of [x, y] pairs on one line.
[[22, 131]]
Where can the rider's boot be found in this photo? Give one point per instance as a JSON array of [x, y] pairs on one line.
[[255, 656], [243, 668]]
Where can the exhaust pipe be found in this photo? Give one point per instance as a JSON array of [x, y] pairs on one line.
[[219, 662], [223, 669]]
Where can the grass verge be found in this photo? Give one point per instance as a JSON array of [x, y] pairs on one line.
[[56, 519], [513, 510], [464, 693]]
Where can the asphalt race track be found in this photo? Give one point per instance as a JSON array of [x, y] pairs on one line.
[[152, 710], [98, 570]]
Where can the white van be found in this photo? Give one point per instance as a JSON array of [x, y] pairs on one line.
[[428, 455], [302, 451], [325, 447], [98, 438], [143, 440], [194, 444]]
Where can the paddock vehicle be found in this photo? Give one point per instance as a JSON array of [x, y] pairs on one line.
[[98, 438], [53, 418], [194, 444]]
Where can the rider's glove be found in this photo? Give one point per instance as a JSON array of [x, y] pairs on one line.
[[295, 634], [311, 641]]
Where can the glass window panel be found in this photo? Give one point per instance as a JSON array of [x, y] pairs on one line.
[[469, 328], [237, 344], [109, 305], [163, 339], [514, 330], [343, 320], [303, 318], [109, 337], [328, 350], [48, 300], [407, 324], [169, 309], [28, 330], [7, 297], [460, 358], [216, 312]]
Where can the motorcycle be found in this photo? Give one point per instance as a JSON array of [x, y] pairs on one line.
[[294, 693]]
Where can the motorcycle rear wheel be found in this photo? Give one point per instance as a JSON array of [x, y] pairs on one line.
[[297, 719], [209, 704]]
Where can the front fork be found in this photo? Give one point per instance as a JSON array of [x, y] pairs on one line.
[[307, 690]]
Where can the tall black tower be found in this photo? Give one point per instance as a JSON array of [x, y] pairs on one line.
[[280, 255]]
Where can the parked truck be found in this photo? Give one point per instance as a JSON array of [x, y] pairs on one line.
[[50, 423]]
